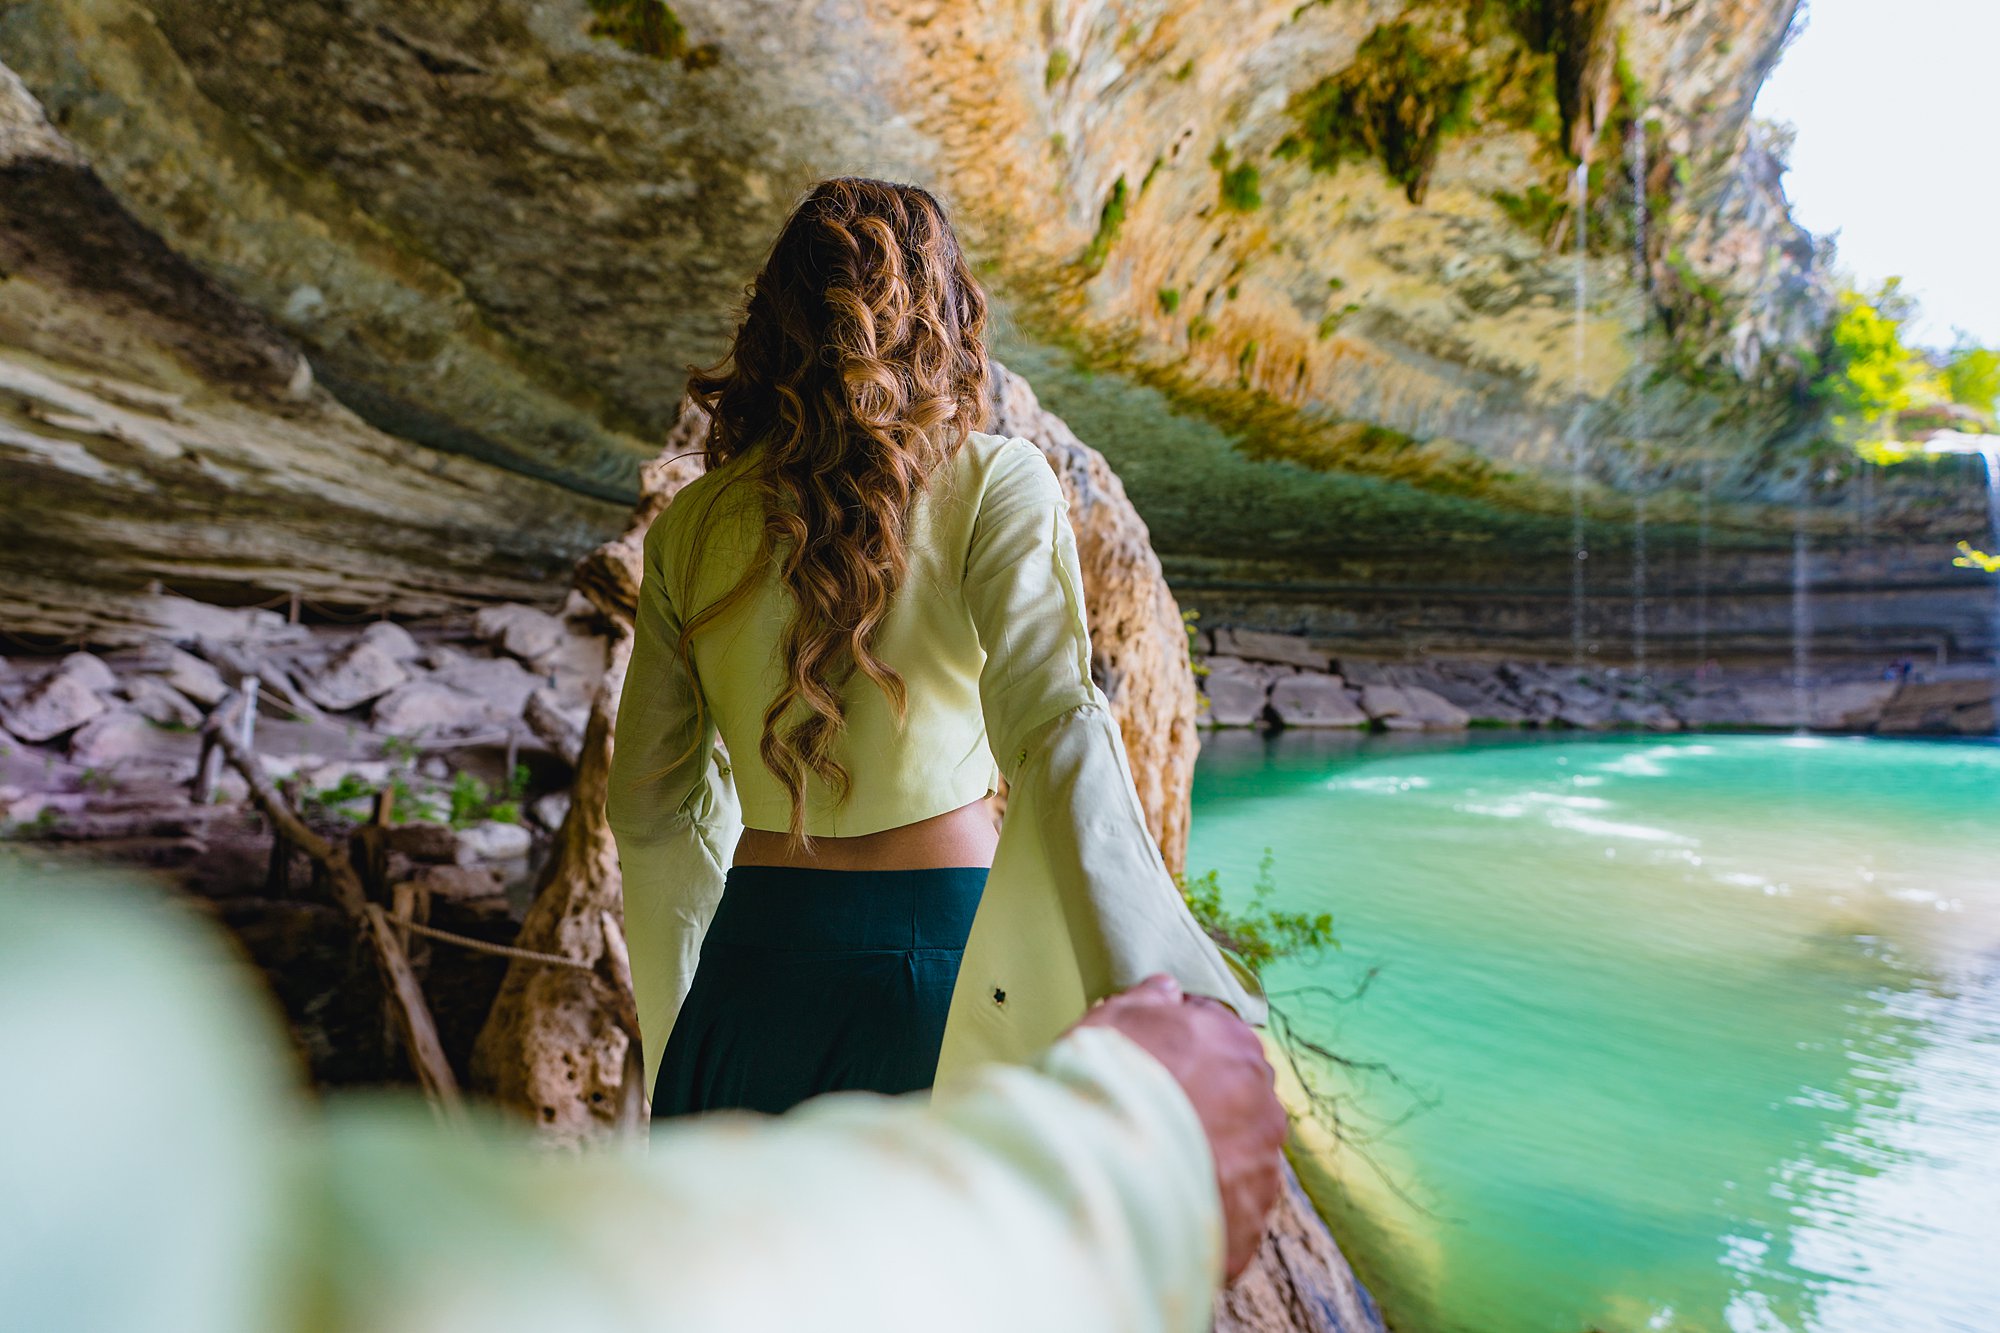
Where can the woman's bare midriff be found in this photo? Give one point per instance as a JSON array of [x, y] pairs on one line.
[[962, 837]]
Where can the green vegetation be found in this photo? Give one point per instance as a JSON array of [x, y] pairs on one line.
[[1406, 90], [1871, 374], [644, 27], [1971, 557], [1244, 359], [473, 802], [1170, 299], [1109, 219], [1972, 376], [326, 802], [1186, 71], [1057, 68], [1201, 326], [1330, 322], [1199, 668], [400, 750], [1058, 141], [1239, 185], [1257, 934], [1534, 211], [39, 829]]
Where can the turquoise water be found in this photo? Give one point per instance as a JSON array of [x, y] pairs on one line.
[[1680, 1034]]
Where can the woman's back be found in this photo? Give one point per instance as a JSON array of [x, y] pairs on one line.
[[938, 756]]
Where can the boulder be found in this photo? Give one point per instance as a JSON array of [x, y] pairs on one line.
[[1236, 693], [423, 841], [549, 811], [1952, 705], [520, 630], [392, 639], [493, 841], [1262, 646], [1852, 705], [558, 725], [1313, 699], [60, 703], [1411, 708], [1138, 639], [185, 621], [430, 708], [89, 670], [123, 740], [152, 698], [456, 883], [353, 676], [574, 667], [501, 681], [193, 677], [1645, 715]]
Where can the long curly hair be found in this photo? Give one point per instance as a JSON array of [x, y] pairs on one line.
[[860, 367]]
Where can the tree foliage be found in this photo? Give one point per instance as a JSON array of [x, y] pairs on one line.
[[1871, 372]]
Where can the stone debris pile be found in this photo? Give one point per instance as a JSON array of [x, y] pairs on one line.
[[1257, 678], [474, 721]]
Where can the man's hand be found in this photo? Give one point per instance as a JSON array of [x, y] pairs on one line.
[[1220, 1065]]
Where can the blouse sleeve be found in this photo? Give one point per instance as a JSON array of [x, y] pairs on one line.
[[672, 810], [1054, 737]]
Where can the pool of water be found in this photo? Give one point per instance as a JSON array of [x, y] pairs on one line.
[[1678, 1034]]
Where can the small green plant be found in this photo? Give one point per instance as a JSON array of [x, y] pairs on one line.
[[643, 27], [1239, 182], [1186, 71], [95, 779], [1170, 299], [326, 802], [1330, 323], [1246, 357], [1058, 142], [1195, 664], [1257, 934], [1109, 219], [1406, 90], [400, 750], [1057, 68], [39, 829], [1201, 326], [473, 802]]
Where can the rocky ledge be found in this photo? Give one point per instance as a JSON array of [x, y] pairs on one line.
[[456, 736], [1257, 678]]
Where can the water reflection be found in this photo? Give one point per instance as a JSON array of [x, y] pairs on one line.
[[1709, 1024]]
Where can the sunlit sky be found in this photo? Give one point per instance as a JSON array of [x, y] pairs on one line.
[[1897, 107]]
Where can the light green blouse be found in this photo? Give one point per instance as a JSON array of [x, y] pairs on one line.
[[988, 632]]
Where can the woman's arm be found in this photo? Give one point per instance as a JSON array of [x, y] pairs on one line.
[[671, 808], [1056, 741]]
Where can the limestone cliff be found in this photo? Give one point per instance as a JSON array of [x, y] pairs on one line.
[[1307, 273]]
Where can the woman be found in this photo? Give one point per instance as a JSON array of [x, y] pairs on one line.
[[875, 606]]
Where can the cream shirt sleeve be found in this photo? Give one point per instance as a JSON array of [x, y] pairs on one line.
[[672, 810], [1078, 1197], [1080, 903]]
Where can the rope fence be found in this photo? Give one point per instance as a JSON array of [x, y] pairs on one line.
[[487, 946]]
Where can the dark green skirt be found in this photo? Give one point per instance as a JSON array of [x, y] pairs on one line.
[[815, 981]]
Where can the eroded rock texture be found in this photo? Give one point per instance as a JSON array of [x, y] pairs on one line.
[[1304, 273], [153, 426], [1138, 641]]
